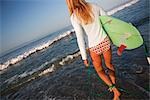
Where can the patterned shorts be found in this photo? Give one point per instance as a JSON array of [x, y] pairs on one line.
[[101, 47]]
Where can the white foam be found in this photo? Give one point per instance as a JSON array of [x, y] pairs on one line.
[[49, 70], [33, 50], [25, 74], [46, 71], [111, 12], [69, 57], [62, 62]]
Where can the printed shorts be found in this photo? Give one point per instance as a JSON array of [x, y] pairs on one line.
[[101, 47]]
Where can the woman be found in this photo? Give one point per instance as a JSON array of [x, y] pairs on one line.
[[85, 20]]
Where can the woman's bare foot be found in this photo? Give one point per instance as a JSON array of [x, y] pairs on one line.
[[116, 94]]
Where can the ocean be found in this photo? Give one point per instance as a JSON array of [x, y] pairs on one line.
[[51, 68]]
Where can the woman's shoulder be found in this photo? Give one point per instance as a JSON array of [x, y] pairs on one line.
[[74, 18]]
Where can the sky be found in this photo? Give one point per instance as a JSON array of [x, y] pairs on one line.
[[23, 21]]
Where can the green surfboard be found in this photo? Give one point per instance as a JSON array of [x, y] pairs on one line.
[[121, 32]]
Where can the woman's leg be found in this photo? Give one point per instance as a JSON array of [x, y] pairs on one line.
[[108, 58], [96, 59], [108, 62]]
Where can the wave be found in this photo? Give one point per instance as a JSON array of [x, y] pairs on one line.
[[47, 67], [60, 62], [33, 50], [123, 6]]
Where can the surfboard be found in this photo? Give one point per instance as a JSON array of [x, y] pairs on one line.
[[121, 32]]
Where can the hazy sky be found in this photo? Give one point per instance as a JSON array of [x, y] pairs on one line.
[[27, 20]]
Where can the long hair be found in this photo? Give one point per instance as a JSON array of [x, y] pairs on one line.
[[81, 9]]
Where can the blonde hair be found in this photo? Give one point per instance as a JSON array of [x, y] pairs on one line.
[[81, 9]]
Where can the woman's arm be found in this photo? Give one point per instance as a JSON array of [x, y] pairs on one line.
[[80, 38]]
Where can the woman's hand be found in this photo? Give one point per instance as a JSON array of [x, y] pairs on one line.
[[86, 63]]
